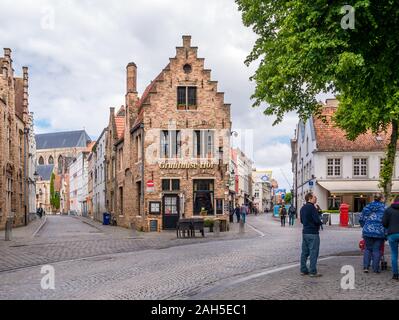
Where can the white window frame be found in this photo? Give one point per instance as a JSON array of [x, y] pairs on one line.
[[334, 165], [360, 167]]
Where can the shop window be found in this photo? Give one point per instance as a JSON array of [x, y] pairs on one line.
[[334, 203], [203, 197]]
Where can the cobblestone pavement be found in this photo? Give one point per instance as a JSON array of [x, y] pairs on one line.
[[120, 268], [67, 238], [287, 284]]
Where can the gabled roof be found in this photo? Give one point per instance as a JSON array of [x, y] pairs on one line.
[[58, 140], [45, 171], [145, 95], [120, 126], [330, 138]]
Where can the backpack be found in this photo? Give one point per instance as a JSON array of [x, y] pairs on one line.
[[283, 211]]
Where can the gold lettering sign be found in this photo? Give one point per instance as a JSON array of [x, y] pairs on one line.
[[186, 165]]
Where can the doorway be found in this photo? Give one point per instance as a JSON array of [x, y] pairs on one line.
[[359, 204], [171, 211]]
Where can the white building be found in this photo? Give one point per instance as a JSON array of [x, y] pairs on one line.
[[78, 179], [335, 169], [99, 205], [262, 189], [244, 176]]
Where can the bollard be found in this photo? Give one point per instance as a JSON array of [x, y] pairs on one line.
[[242, 227], [216, 228], [133, 227], [8, 232]]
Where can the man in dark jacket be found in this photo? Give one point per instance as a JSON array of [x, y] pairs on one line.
[[292, 214], [391, 222], [237, 212], [310, 236]]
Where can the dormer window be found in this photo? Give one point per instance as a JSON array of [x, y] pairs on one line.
[[186, 98]]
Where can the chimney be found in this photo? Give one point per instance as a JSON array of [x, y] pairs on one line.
[[7, 53], [131, 78], [112, 111], [186, 41]]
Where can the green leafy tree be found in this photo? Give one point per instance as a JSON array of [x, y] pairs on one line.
[[288, 198], [304, 47], [57, 201], [52, 193]]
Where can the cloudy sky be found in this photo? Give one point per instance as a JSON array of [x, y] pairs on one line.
[[77, 52]]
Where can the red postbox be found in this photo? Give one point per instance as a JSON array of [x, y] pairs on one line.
[[344, 215]]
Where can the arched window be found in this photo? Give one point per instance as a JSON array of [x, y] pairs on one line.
[[41, 160], [51, 160], [60, 164]]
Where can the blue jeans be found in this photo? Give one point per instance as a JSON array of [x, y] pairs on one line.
[[393, 243], [243, 217], [291, 220], [310, 249], [372, 252]]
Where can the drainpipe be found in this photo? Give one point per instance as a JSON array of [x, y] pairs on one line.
[[26, 200], [142, 170]]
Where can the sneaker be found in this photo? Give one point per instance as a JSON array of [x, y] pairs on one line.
[[315, 275], [304, 273], [395, 277], [365, 270]]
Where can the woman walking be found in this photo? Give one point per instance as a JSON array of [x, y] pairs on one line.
[[373, 232], [391, 222]]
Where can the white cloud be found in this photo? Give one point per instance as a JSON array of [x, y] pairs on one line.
[[77, 68]]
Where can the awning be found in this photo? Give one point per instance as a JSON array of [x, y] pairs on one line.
[[355, 186]]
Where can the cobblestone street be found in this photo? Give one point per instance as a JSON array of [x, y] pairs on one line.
[[96, 262]]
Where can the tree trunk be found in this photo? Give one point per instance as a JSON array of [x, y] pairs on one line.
[[389, 163]]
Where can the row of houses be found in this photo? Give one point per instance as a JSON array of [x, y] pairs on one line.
[[17, 147], [162, 156], [335, 169]]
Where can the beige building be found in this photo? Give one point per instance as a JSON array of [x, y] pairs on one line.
[[14, 144], [44, 173], [172, 159]]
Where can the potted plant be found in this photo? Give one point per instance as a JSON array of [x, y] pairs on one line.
[[208, 223]]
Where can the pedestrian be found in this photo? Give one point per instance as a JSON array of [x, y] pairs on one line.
[[40, 211], [391, 222], [373, 232], [283, 214], [244, 211], [310, 236], [320, 213], [231, 214], [291, 215], [237, 212]]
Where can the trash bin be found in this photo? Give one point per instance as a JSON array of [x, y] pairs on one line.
[[106, 219]]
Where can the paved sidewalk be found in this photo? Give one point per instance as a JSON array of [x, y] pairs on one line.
[[25, 232], [286, 283]]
